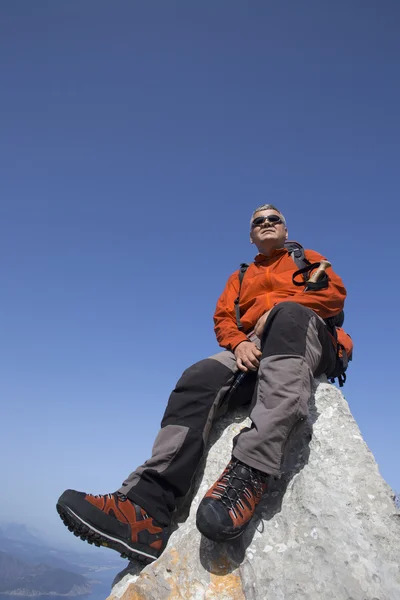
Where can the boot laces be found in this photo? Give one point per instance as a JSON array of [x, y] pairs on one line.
[[119, 495], [122, 498], [103, 495], [235, 487]]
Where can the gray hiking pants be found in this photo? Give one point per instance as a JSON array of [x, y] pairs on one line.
[[295, 347]]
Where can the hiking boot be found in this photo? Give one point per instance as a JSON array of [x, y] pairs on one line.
[[113, 521], [229, 504]]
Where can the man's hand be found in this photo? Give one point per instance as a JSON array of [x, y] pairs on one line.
[[259, 328], [247, 355]]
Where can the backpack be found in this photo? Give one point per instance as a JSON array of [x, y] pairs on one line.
[[334, 324]]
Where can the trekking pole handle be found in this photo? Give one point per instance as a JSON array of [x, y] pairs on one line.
[[323, 265]]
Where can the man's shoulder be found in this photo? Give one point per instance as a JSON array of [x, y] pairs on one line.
[[295, 247], [312, 255], [237, 275]]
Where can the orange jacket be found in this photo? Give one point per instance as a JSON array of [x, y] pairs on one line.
[[267, 282]]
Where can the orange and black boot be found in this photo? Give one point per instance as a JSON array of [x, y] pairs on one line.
[[229, 505], [113, 521]]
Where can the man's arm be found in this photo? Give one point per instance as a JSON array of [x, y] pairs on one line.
[[228, 335], [225, 326]]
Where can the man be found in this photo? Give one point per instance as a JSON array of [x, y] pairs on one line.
[[285, 341]]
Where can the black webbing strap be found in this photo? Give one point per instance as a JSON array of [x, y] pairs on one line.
[[242, 271], [317, 285]]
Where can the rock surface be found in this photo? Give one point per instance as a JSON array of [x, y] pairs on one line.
[[327, 530]]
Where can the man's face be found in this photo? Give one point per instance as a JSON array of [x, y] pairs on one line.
[[268, 235]]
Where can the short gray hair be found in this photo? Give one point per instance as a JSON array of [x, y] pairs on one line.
[[267, 207]]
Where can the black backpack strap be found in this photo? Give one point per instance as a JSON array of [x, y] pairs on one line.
[[242, 271], [296, 251], [304, 267]]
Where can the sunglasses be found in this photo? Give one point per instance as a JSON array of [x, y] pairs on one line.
[[274, 219]]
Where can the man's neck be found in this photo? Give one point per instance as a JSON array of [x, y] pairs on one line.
[[267, 252]]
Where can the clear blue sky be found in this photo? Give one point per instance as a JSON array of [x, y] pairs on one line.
[[136, 139]]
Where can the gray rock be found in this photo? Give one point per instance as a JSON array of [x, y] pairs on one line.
[[327, 530]]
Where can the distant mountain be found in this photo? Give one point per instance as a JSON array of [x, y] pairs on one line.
[[19, 533], [30, 566], [19, 541], [19, 578], [33, 553]]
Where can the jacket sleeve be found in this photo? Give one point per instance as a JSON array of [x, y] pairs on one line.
[[326, 302], [225, 326]]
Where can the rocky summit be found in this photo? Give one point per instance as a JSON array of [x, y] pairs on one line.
[[328, 529]]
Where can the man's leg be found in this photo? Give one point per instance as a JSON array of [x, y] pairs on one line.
[[134, 520], [295, 347], [179, 445]]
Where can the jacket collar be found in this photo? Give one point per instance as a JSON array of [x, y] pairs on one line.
[[274, 253]]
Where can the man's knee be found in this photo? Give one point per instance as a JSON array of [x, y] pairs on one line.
[[291, 311], [196, 391], [286, 329], [199, 373], [209, 371], [287, 316]]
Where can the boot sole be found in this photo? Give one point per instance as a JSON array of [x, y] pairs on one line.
[[90, 534]]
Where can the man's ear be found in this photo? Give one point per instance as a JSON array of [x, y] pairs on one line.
[[287, 233], [251, 240]]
